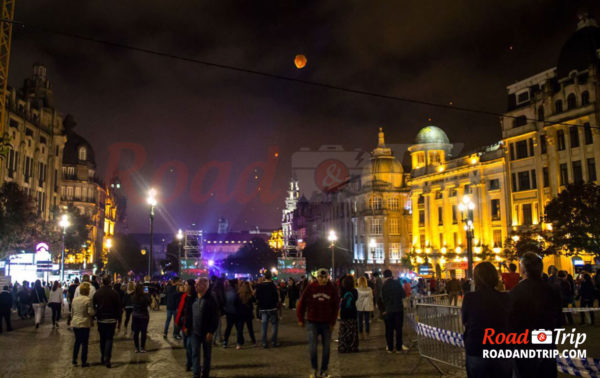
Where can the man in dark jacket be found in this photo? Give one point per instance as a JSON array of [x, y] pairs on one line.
[[534, 304], [205, 318], [173, 297], [5, 306], [320, 301], [392, 295], [268, 304], [108, 311]]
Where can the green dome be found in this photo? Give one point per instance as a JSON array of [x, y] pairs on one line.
[[432, 134]]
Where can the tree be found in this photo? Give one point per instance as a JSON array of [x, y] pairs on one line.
[[318, 255], [575, 218], [251, 258], [171, 263], [527, 240], [78, 231], [125, 255]]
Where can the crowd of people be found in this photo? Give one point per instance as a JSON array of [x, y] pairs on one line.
[[203, 312]]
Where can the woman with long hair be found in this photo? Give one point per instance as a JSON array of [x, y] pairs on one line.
[[348, 334], [128, 304], [55, 302], [482, 309], [38, 300], [364, 305], [82, 310], [184, 320], [140, 317], [246, 311]]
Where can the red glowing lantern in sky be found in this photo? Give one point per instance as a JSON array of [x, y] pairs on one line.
[[300, 61]]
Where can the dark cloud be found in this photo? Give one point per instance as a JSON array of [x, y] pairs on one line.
[[436, 51]]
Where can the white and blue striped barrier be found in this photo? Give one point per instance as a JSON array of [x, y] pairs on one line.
[[589, 367]]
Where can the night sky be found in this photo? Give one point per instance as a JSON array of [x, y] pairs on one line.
[[464, 52]]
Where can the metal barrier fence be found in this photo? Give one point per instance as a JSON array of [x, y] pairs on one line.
[[439, 332], [410, 310], [439, 338]]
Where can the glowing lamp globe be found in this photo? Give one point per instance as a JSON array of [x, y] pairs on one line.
[[300, 61]]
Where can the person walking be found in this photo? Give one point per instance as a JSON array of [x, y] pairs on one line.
[[534, 304], [348, 332], [232, 303], [6, 302], [567, 293], [268, 304], [318, 309], [108, 311], [205, 317], [392, 294], [128, 304], [483, 309], [364, 306], [82, 310], [173, 296], [245, 312], [218, 292], [453, 288], [70, 296], [293, 293], [184, 320], [38, 300], [140, 317], [55, 303], [587, 295]]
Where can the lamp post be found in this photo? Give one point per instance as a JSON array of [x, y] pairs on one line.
[[465, 206], [179, 237], [332, 239], [372, 246], [64, 224], [152, 202]]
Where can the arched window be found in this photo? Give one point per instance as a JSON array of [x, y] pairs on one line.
[[558, 106], [541, 114], [585, 98], [82, 153], [571, 102]]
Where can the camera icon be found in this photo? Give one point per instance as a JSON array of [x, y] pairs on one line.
[[541, 336]]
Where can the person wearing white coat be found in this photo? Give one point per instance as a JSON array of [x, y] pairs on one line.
[[82, 311], [364, 306], [55, 301]]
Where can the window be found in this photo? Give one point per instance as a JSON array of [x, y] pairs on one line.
[[394, 251], [441, 239], [545, 177], [577, 172], [497, 236], [543, 145], [439, 195], [454, 213], [523, 97], [533, 179], [455, 237], [521, 149], [69, 192], [560, 140], [564, 174], [42, 174], [440, 216], [394, 226], [531, 150], [421, 199], [514, 182], [421, 218], [524, 183], [571, 101], [519, 121], [82, 153], [495, 206], [422, 240], [574, 136], [494, 184], [512, 151], [527, 214], [467, 189], [587, 132], [558, 106], [591, 166], [376, 226], [393, 204], [452, 192], [585, 98], [541, 114]]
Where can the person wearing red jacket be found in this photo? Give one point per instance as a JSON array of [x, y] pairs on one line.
[[320, 301]]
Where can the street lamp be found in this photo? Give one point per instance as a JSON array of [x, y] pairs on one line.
[[332, 239], [372, 246], [179, 237], [151, 199], [108, 244], [64, 224], [465, 207]]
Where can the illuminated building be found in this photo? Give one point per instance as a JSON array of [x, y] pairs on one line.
[[37, 138], [288, 213], [438, 185], [551, 131]]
